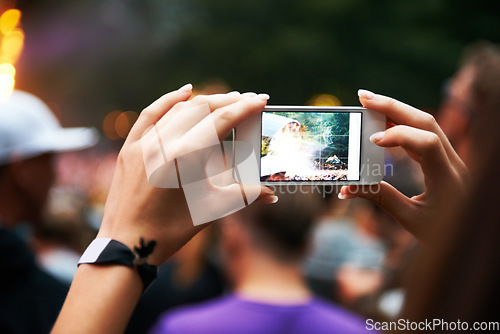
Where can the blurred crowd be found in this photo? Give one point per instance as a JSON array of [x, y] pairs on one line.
[[357, 256], [74, 209]]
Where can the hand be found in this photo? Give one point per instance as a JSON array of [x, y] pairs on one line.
[[446, 176], [134, 207]]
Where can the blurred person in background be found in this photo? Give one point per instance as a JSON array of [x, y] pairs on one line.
[[377, 292], [74, 209], [30, 135], [345, 237], [456, 275], [263, 248], [471, 94], [360, 255], [58, 242]]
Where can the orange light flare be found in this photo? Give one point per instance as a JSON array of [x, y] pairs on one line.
[[11, 46], [324, 100], [117, 124], [108, 125], [7, 81], [124, 123], [9, 20]]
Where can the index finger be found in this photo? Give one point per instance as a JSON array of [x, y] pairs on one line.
[[229, 117], [156, 110], [404, 114], [212, 102]]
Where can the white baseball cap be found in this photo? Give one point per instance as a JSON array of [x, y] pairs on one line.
[[29, 128]]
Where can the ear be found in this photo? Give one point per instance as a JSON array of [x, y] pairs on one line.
[[18, 173], [233, 235], [230, 227]]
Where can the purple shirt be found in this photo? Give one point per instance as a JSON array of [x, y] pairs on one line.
[[232, 314]]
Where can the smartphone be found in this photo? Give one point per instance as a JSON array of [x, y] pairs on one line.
[[313, 145]]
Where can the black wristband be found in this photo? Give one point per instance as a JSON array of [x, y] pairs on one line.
[[109, 251]]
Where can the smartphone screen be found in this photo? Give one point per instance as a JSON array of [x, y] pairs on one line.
[[310, 146]]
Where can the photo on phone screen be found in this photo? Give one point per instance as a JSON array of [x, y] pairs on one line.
[[310, 146]]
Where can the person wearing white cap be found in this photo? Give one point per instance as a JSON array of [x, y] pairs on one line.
[[29, 128], [29, 136]]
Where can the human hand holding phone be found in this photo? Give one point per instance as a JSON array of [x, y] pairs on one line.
[[102, 297], [136, 207], [446, 176]]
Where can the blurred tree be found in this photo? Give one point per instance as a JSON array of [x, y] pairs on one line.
[[95, 56]]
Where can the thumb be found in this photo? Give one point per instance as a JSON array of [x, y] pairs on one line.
[[258, 193], [266, 196]]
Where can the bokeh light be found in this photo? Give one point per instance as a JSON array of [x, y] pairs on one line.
[[117, 124], [124, 123], [324, 100], [11, 46], [108, 125], [9, 20], [6, 85], [7, 68]]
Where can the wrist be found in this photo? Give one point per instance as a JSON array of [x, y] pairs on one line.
[[132, 241], [129, 233], [107, 251], [104, 294]]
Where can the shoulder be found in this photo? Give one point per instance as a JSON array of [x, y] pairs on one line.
[[194, 318], [229, 314], [334, 318]]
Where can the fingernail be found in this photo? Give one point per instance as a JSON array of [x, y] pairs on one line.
[[366, 94], [273, 199], [186, 88], [234, 92], [345, 196], [377, 136], [345, 193], [263, 97]]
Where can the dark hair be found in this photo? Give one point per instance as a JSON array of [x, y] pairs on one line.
[[457, 276], [484, 58], [283, 229]]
